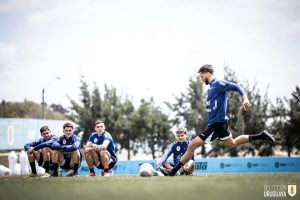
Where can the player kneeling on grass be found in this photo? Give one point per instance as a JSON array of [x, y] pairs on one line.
[[178, 148], [40, 151], [66, 152], [100, 150]]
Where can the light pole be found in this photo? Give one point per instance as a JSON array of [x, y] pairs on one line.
[[43, 95]]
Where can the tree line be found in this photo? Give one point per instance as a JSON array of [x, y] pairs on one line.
[[147, 128]]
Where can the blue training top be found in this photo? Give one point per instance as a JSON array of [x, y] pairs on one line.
[[216, 103], [94, 138], [177, 149], [67, 145], [41, 143]]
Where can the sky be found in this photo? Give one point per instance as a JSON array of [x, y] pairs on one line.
[[144, 48]]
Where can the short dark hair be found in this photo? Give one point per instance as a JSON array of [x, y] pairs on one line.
[[206, 68], [181, 130], [98, 122], [44, 128], [67, 125]]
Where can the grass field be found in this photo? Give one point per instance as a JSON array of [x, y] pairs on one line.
[[200, 187]]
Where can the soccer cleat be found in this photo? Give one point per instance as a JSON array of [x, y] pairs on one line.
[[46, 175], [32, 175], [71, 172], [166, 172], [92, 174], [157, 173], [54, 174], [106, 174], [267, 136]]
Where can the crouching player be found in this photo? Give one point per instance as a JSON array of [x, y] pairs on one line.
[[100, 150], [66, 152], [178, 148], [40, 151]]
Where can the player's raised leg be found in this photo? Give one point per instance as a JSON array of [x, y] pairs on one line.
[[242, 139]]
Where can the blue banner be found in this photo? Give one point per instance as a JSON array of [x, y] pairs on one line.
[[214, 166]]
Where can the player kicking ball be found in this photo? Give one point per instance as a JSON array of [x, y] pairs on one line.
[[66, 152], [177, 148], [217, 120], [100, 150]]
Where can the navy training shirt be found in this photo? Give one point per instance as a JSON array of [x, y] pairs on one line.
[[67, 145], [177, 149], [216, 104], [41, 143]]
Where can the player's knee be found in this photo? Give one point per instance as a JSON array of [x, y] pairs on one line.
[[191, 163], [30, 155], [46, 150], [103, 153], [190, 167], [55, 152], [76, 154], [166, 165], [88, 150]]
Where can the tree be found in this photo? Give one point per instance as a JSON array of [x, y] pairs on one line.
[[59, 108], [83, 111], [26, 109], [128, 136], [154, 126], [286, 122]]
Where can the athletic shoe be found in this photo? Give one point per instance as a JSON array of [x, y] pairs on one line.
[[32, 175], [92, 174], [166, 172], [54, 174], [157, 173], [106, 174], [71, 172], [46, 175], [267, 136]]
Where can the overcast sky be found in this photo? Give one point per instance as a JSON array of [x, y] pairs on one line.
[[144, 47]]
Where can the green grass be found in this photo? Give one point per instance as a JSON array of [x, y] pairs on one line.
[[200, 187]]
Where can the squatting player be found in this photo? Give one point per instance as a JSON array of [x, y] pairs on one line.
[[66, 152], [100, 150], [178, 148], [40, 151], [217, 120]]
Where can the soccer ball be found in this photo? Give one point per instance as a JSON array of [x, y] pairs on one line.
[[146, 170]]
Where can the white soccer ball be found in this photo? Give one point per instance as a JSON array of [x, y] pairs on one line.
[[146, 170]]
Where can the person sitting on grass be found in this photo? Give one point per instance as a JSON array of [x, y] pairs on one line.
[[178, 148], [66, 152], [100, 150], [41, 151]]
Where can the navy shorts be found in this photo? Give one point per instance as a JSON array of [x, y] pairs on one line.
[[111, 163], [217, 130], [67, 162]]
